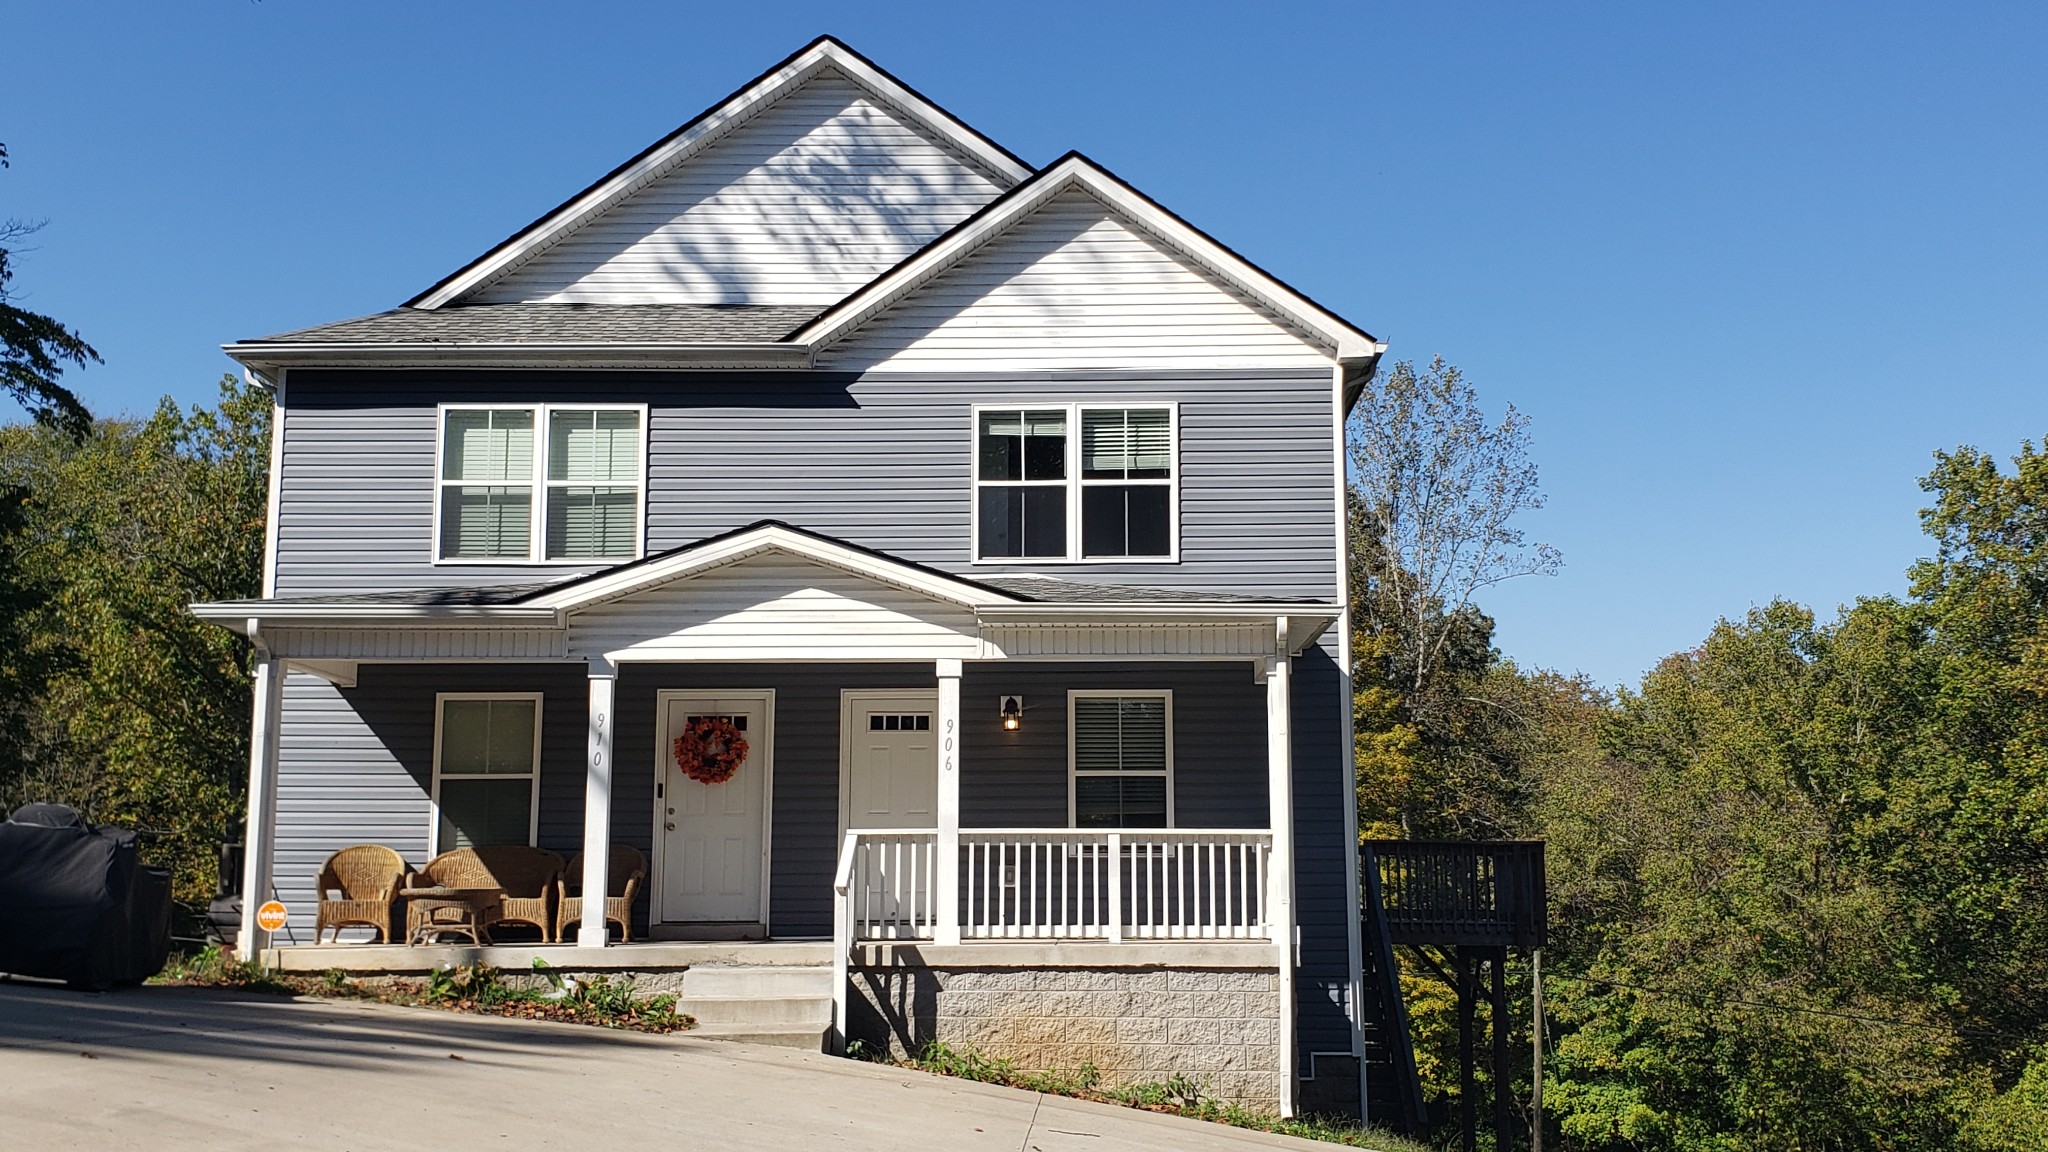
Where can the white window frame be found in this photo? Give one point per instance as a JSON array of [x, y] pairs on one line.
[[1073, 738], [434, 793], [536, 552], [1073, 482]]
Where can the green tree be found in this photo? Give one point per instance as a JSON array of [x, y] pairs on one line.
[[35, 348], [146, 710]]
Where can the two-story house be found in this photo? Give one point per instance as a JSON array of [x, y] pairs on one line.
[[995, 511]]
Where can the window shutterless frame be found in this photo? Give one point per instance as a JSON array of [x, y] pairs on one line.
[[434, 794], [1074, 773], [1075, 484], [538, 483]]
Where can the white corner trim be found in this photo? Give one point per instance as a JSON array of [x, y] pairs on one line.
[[709, 128], [1339, 338]]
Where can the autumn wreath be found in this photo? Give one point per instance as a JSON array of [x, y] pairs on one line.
[[710, 749]]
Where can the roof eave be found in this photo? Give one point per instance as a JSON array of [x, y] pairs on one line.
[[237, 616], [264, 356]]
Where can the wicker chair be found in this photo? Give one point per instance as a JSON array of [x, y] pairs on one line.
[[527, 876], [367, 876], [628, 869]]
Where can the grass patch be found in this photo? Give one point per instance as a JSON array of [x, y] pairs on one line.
[[594, 1000], [1178, 1096]]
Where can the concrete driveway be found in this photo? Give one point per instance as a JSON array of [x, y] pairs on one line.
[[172, 1069]]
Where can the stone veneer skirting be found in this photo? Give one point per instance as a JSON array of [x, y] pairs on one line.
[[1216, 1026]]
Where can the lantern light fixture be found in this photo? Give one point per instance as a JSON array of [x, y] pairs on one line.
[[1013, 713]]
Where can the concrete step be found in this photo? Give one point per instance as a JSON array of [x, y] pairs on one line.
[[758, 1011], [808, 1038], [766, 981]]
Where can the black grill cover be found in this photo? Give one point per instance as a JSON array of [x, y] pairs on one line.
[[76, 902]]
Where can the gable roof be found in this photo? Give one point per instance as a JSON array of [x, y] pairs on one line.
[[705, 130], [761, 538], [1343, 340]]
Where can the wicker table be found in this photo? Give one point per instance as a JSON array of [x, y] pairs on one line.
[[432, 911]]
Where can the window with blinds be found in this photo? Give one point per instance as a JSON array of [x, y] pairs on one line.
[[593, 484], [510, 491], [486, 770], [1040, 472], [487, 484], [1122, 754]]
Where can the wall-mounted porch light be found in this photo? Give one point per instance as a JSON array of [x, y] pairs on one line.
[[1013, 713]]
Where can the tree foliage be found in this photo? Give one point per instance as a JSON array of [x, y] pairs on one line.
[[1799, 874], [116, 699], [34, 348]]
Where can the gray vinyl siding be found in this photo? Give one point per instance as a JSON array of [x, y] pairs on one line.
[[881, 460], [1019, 779], [356, 765], [804, 813]]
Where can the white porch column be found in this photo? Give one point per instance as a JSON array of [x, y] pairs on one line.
[[946, 890], [1280, 809], [259, 837], [597, 806]]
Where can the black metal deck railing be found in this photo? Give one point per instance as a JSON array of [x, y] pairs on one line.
[[1483, 894]]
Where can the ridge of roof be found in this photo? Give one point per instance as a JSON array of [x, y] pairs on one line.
[[755, 94], [1074, 168]]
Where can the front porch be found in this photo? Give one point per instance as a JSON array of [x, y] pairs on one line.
[[960, 806]]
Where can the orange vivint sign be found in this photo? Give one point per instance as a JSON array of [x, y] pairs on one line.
[[271, 916]]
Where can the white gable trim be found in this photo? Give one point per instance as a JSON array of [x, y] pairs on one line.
[[1074, 171], [755, 542], [706, 130]]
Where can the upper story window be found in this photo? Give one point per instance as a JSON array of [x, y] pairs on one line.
[[1075, 482], [541, 483]]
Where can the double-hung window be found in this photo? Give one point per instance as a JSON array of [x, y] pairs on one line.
[[1075, 482], [559, 483], [486, 769], [1122, 753]]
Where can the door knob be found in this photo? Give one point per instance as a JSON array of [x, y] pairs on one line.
[[670, 826]]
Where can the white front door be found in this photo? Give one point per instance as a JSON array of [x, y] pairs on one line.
[[892, 771], [892, 781], [713, 837]]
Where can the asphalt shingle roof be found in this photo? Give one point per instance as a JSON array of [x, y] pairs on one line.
[[557, 323], [1050, 590]]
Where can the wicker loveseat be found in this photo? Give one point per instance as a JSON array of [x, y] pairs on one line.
[[628, 869], [367, 877], [526, 876]]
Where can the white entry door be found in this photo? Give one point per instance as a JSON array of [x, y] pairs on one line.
[[714, 837], [892, 777], [892, 781]]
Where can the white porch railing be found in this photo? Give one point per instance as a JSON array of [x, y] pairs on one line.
[[1065, 884], [1052, 884]]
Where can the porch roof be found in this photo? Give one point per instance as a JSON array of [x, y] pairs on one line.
[[957, 604]]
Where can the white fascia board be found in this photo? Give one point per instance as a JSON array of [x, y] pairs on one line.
[[762, 541], [707, 130], [238, 617], [518, 354], [1343, 341]]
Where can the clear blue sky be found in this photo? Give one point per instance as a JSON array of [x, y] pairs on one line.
[[1746, 265]]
